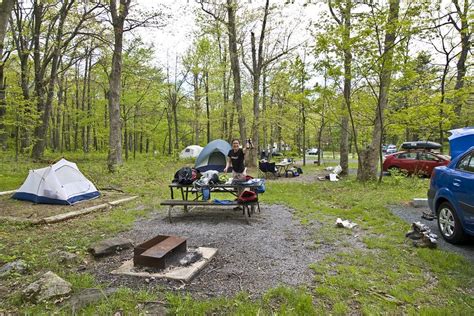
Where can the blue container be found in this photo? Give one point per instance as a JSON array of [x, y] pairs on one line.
[[461, 139], [206, 193]]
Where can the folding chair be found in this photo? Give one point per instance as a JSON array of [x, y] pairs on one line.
[[265, 168]]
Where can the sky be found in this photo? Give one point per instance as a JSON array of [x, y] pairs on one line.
[[173, 39], [178, 34]]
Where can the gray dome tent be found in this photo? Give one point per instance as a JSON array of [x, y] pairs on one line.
[[213, 156]]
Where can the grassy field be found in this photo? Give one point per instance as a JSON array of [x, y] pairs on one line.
[[383, 274]]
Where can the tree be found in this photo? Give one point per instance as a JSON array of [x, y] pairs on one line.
[[118, 14], [259, 62], [231, 25], [369, 156], [344, 21], [6, 7]]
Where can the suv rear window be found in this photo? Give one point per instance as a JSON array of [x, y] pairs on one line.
[[466, 163]]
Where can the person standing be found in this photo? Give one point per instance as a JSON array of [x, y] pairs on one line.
[[236, 158]]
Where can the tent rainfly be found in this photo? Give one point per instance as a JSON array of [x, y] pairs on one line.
[[213, 156], [60, 183], [191, 151]]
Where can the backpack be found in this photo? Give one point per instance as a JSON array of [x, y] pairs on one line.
[[299, 170], [184, 176], [247, 196]]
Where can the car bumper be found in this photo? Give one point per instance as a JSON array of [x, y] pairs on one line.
[[431, 199]]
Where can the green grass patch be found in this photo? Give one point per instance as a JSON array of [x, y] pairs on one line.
[[375, 272]]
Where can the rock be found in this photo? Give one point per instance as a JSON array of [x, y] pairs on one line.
[[65, 257], [110, 246], [47, 287], [88, 296], [420, 202], [154, 308], [4, 291], [18, 266]]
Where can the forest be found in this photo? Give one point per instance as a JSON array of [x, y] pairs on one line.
[[98, 99], [76, 77]]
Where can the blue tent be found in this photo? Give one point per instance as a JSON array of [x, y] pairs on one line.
[[461, 139], [213, 156]]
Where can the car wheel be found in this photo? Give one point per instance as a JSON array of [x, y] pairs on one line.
[[449, 224]]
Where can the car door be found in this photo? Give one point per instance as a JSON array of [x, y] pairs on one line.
[[426, 162], [407, 161], [463, 186]]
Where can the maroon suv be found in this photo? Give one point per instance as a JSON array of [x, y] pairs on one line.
[[414, 162]]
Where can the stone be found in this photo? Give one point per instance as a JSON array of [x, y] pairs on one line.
[[420, 202], [18, 266], [88, 296], [110, 246], [65, 257], [49, 286], [154, 308]]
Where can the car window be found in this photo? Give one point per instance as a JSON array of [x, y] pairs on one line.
[[427, 157], [467, 163], [408, 155]]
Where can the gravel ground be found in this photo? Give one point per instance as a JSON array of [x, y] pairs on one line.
[[411, 214], [274, 249]]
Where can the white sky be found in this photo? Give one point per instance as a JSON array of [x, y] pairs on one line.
[[177, 36]]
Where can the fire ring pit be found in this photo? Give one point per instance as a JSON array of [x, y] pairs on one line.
[[159, 251]]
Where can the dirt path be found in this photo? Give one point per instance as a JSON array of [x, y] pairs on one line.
[[273, 250]]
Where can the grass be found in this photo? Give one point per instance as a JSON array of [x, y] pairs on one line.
[[372, 270]]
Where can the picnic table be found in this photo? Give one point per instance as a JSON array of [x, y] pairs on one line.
[[284, 167], [191, 196]]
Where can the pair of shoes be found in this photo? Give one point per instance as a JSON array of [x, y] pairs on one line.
[[428, 216]]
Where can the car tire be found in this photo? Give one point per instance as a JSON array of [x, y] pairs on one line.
[[449, 224]]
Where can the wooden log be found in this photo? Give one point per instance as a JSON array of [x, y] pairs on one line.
[[69, 215], [7, 192]]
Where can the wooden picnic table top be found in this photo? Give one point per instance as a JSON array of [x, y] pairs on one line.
[[223, 185], [283, 163]]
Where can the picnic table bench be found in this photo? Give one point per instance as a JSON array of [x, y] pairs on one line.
[[247, 208]]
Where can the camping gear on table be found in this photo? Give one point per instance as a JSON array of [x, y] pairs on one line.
[[60, 183], [191, 151], [186, 175], [213, 156]]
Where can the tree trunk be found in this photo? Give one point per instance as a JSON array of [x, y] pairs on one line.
[[197, 107], [76, 114], [6, 7], [115, 135], [235, 66], [208, 106], [45, 102], [368, 160], [83, 102], [461, 68], [264, 110], [344, 142]]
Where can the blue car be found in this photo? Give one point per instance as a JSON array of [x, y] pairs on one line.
[[451, 197]]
